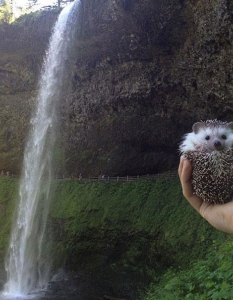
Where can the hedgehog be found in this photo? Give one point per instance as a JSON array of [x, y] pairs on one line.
[[209, 148]]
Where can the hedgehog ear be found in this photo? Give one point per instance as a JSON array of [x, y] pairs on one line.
[[230, 125], [197, 126]]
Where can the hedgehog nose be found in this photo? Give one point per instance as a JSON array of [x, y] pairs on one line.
[[217, 144]]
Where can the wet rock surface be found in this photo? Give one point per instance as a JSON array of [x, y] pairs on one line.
[[88, 287]]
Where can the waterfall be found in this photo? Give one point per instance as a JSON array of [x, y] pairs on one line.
[[27, 264]]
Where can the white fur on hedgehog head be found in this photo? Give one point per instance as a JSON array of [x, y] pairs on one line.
[[208, 136]]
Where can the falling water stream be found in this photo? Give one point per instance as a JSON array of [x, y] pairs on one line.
[[27, 263]]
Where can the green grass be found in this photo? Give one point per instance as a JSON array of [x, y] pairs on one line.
[[145, 206], [150, 220], [145, 228]]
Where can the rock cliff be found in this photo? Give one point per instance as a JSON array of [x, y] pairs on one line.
[[141, 72]]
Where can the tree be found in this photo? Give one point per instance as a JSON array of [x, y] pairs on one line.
[[12, 9], [5, 11], [31, 3], [59, 3]]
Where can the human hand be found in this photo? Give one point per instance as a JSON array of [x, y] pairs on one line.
[[219, 216]]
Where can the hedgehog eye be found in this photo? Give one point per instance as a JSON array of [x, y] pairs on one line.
[[207, 137], [223, 137]]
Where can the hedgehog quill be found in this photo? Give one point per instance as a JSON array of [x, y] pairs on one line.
[[210, 149]]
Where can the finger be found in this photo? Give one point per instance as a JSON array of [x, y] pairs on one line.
[[186, 169], [185, 178], [181, 165]]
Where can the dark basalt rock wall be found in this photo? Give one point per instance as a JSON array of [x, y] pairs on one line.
[[141, 72], [117, 105], [146, 72], [22, 49]]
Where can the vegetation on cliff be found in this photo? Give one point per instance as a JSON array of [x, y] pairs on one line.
[[140, 232], [151, 213], [207, 279]]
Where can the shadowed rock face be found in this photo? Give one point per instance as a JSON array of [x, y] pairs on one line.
[[116, 106], [141, 73]]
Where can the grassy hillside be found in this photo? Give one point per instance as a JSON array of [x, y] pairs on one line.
[[141, 229]]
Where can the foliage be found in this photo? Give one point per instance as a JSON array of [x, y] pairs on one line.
[[5, 11], [209, 279], [143, 226]]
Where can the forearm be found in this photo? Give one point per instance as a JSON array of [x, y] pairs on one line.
[[220, 216]]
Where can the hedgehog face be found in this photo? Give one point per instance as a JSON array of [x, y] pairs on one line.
[[209, 147], [213, 137]]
